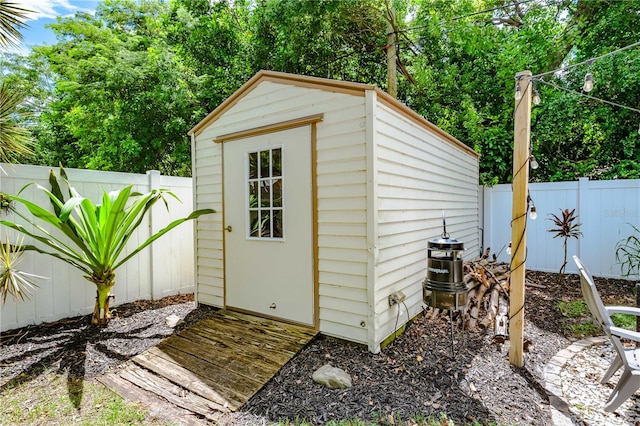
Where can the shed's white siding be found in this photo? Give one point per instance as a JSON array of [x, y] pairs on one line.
[[383, 178], [341, 191], [419, 175]]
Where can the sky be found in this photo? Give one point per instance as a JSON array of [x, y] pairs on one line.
[[46, 12]]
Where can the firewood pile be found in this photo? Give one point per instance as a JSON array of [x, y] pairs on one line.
[[488, 299]]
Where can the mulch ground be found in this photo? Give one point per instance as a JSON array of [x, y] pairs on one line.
[[415, 375]]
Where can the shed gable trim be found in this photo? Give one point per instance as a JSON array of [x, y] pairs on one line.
[[338, 86], [270, 128]]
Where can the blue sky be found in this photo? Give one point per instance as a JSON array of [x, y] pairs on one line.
[[46, 12]]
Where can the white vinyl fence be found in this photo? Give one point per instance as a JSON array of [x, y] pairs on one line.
[[606, 209], [164, 268]]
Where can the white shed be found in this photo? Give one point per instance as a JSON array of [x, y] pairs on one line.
[[327, 193]]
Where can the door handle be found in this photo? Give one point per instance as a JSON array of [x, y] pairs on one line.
[[228, 228]]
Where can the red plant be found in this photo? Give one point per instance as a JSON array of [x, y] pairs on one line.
[[565, 227]]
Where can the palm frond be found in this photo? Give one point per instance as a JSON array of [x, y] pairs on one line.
[[15, 140], [12, 19], [18, 284]]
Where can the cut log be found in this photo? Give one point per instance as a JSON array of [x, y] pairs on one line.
[[488, 282], [492, 309]]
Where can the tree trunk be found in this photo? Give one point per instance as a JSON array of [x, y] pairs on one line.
[[104, 283]]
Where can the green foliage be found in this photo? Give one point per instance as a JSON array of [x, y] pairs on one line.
[[14, 138], [627, 321], [123, 87], [46, 400], [584, 329], [628, 253], [96, 235], [574, 309]]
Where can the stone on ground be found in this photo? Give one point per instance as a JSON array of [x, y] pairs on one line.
[[332, 377]]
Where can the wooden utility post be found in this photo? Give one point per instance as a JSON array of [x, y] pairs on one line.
[[520, 185], [392, 77]]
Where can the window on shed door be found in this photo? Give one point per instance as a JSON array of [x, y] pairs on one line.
[[265, 194]]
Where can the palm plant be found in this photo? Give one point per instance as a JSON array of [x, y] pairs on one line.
[[96, 235], [565, 228], [18, 284], [628, 253], [12, 18], [14, 139]]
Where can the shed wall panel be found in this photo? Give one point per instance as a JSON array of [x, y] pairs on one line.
[[341, 192], [415, 183], [207, 184]]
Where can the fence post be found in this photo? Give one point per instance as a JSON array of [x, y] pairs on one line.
[[154, 183], [583, 214]]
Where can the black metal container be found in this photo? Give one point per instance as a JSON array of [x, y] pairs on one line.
[[444, 286]]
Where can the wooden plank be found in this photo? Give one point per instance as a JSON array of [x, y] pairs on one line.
[[221, 361], [195, 356], [170, 392], [249, 339], [264, 351], [184, 378], [219, 376], [284, 330], [155, 406]]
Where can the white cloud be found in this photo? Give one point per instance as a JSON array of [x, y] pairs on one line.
[[54, 8]]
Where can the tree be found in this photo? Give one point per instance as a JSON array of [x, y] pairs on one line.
[[95, 235], [125, 101], [131, 81], [565, 228]]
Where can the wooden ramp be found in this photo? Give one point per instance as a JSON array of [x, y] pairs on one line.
[[214, 366]]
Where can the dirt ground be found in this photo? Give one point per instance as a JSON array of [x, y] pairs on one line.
[[415, 375]]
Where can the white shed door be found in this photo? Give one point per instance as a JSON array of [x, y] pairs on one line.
[[268, 222]]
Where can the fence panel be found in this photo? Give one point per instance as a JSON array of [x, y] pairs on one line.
[[606, 210], [165, 268]]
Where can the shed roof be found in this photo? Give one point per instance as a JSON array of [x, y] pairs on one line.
[[350, 88]]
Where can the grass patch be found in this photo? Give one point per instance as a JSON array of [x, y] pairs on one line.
[[584, 329], [627, 321], [579, 322], [53, 400], [574, 309]]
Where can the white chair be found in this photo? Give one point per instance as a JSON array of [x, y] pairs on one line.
[[628, 358]]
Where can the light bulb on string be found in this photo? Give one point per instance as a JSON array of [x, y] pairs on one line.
[[588, 83], [533, 214], [518, 94], [533, 162], [509, 249], [536, 97]]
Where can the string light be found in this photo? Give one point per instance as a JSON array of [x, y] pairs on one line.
[[509, 249], [588, 82], [533, 214], [536, 96], [518, 94], [533, 162]]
